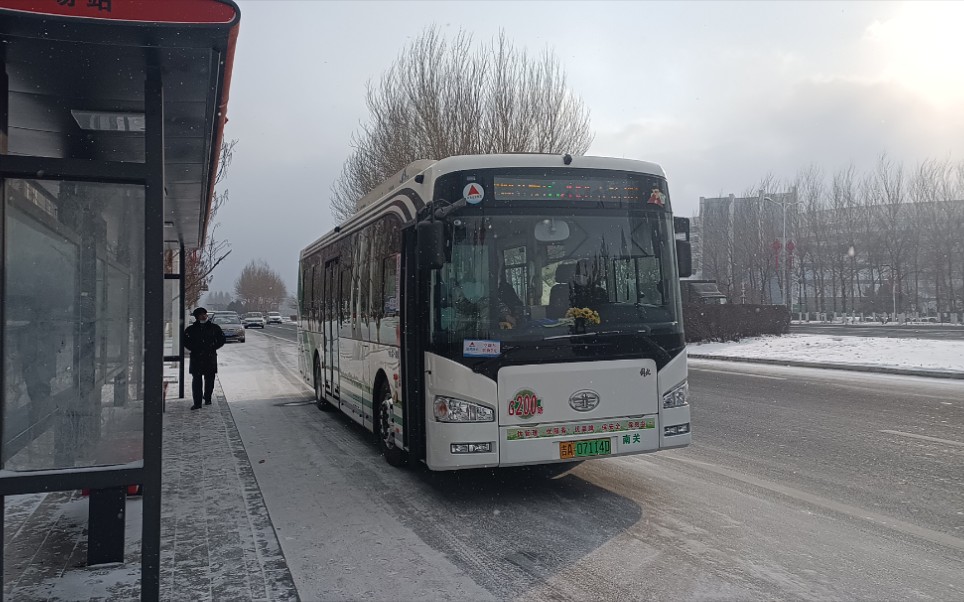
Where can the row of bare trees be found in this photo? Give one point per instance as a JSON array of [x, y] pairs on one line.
[[258, 288], [453, 97], [863, 241]]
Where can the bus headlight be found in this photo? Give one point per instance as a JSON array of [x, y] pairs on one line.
[[450, 409], [676, 397]]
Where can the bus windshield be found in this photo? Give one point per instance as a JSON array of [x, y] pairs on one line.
[[543, 274]]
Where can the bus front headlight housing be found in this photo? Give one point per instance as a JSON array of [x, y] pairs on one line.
[[676, 397], [452, 409]]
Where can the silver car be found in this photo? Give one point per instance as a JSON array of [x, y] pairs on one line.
[[253, 319], [231, 326]]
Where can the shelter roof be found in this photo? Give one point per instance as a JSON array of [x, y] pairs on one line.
[[76, 72]]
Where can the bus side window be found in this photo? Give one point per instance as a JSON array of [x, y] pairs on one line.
[[344, 299], [316, 291], [390, 284], [306, 308], [362, 286]]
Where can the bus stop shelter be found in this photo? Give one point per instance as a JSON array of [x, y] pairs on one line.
[[111, 121]]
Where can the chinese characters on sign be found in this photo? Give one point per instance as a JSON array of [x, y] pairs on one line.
[[585, 429], [98, 4], [481, 348]]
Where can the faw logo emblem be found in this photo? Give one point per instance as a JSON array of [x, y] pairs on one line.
[[644, 372], [584, 400]]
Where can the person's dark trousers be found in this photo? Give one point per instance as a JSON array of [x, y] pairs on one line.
[[208, 388]]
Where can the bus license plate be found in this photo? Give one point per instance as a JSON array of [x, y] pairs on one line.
[[584, 449]]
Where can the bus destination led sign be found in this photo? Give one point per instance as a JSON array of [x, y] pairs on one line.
[[576, 189]]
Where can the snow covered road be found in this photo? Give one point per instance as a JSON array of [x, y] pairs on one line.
[[800, 484], [900, 353]]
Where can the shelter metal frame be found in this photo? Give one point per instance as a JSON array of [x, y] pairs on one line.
[[180, 277], [197, 41], [147, 472]]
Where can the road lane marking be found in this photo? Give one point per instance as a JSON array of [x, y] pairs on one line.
[[736, 373], [925, 438], [274, 336], [866, 389], [815, 500]]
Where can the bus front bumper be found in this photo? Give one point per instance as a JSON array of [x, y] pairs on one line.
[[486, 445]]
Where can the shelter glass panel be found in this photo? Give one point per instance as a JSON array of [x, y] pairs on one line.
[[173, 316], [172, 319], [73, 338]]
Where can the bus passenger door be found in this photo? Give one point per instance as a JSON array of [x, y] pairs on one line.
[[332, 310]]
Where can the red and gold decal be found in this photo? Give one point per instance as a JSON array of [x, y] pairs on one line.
[[525, 404]]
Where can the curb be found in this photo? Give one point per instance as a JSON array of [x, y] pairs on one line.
[[849, 367]]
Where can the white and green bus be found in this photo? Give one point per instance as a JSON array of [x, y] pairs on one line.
[[503, 310]]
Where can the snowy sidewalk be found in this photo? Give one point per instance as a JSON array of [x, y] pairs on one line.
[[912, 357], [217, 541]]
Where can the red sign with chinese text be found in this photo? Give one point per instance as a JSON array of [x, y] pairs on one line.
[[152, 11]]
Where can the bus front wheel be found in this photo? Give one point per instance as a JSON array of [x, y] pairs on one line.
[[394, 455]]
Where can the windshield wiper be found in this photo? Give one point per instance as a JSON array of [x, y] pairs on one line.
[[646, 340], [581, 334]]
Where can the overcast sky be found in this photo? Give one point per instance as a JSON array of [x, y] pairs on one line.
[[718, 93]]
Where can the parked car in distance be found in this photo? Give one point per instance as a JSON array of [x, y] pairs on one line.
[[275, 318], [230, 325], [253, 319]]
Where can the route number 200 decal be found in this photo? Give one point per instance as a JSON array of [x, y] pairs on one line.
[[525, 404]]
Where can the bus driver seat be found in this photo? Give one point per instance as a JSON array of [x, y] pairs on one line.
[[575, 287], [559, 293]]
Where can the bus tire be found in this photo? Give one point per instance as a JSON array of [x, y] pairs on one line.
[[320, 400], [385, 432]]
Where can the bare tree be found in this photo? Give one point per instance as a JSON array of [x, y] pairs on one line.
[[840, 247], [200, 263], [846, 212], [935, 188], [451, 97], [259, 288], [813, 247], [892, 220]]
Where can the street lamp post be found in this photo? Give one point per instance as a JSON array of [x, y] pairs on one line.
[[784, 280]]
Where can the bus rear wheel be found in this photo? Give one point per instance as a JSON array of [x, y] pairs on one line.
[[385, 405], [320, 400]]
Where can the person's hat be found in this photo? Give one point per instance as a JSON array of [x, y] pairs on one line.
[[197, 312]]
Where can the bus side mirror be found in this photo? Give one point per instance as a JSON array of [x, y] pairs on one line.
[[684, 258], [431, 245]]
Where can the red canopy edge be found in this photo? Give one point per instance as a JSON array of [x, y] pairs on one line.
[[152, 11], [222, 119]]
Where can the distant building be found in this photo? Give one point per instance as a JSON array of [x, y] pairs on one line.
[[864, 259], [736, 238]]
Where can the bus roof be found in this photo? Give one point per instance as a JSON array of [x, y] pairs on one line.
[[464, 162], [404, 196]]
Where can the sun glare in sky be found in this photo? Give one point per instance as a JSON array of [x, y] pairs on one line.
[[922, 47]]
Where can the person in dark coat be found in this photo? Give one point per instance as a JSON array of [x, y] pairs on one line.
[[203, 339]]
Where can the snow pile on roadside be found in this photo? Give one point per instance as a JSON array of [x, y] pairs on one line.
[[829, 349]]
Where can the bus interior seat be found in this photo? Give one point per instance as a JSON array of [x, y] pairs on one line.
[[559, 293]]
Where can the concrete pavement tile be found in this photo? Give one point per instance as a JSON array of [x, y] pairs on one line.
[[217, 540]]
